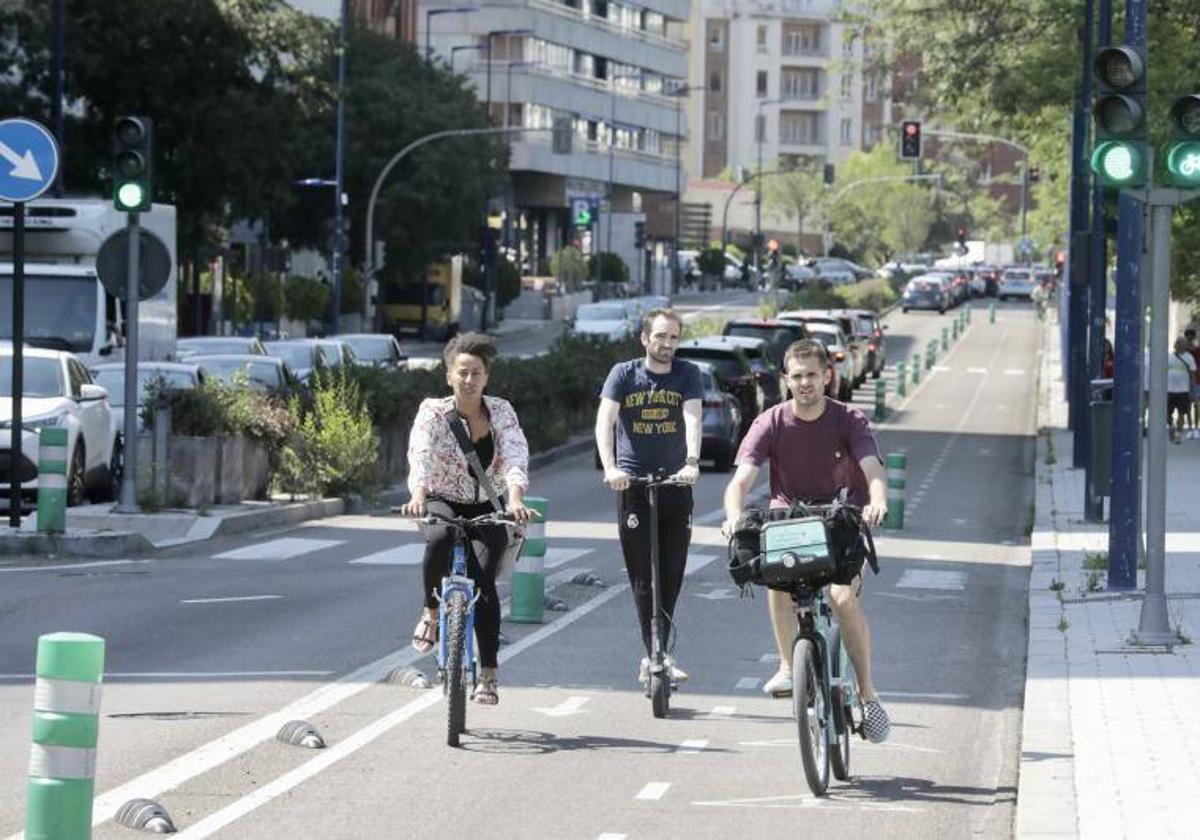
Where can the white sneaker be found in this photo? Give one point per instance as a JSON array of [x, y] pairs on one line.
[[779, 685], [644, 670], [678, 675]]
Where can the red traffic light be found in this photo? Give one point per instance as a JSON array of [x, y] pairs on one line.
[[911, 128]]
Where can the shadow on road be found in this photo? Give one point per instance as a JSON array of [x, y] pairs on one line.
[[532, 742]]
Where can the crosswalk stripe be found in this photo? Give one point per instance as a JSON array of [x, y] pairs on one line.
[[281, 549], [931, 579], [696, 562], [409, 554]]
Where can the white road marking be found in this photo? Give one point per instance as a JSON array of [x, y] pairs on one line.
[[219, 751], [773, 742], [747, 684], [692, 746], [1014, 372], [716, 594], [942, 369], [231, 600], [769, 657], [653, 791], [977, 370], [721, 712], [923, 695], [59, 568], [281, 549], [961, 521], [409, 554], [931, 579], [555, 557], [186, 675], [696, 562], [808, 802], [915, 598], [608, 835], [570, 706]]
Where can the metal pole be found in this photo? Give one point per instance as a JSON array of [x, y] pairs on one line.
[[488, 50], [428, 44], [1153, 626], [1125, 507], [1077, 287], [1024, 204], [59, 84], [612, 142], [18, 365], [679, 190], [760, 128], [128, 498], [340, 174]]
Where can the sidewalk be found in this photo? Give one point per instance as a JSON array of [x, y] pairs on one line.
[[1110, 747]]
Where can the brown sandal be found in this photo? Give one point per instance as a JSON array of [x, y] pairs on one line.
[[485, 692], [425, 634]]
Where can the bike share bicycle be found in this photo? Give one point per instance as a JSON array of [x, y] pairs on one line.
[[456, 615], [659, 686], [797, 550]]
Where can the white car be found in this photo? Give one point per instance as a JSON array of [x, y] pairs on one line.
[[58, 392], [611, 320], [1016, 282], [836, 345]]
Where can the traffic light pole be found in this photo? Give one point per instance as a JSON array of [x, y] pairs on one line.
[[128, 502]]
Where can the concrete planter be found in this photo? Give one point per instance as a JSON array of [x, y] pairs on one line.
[[393, 452], [193, 463], [256, 469], [228, 470]]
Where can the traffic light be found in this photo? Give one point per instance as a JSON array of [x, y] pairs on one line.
[[132, 163], [910, 140], [1035, 174], [1183, 154], [829, 172], [1119, 158], [639, 235]]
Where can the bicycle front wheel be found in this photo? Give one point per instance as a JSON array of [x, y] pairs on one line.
[[456, 686], [844, 699], [809, 708]]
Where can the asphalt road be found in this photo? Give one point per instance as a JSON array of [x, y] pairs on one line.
[[211, 649]]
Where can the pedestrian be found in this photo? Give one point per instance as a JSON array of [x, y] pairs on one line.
[[1194, 347], [442, 480], [1181, 370], [650, 421]]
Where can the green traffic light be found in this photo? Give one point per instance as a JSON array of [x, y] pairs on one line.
[[1118, 164], [1183, 162], [130, 196]]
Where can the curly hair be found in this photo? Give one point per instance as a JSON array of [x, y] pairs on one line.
[[479, 345]]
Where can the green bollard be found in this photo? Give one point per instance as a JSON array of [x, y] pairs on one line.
[[930, 354], [945, 339], [880, 399], [66, 712], [529, 577], [916, 365], [52, 481], [992, 312], [901, 377], [897, 463]]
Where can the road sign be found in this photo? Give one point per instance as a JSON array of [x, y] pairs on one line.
[[112, 264], [28, 160], [583, 211]]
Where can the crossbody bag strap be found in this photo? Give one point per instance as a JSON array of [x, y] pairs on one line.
[[464, 442]]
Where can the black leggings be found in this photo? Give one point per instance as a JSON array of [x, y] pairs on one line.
[[483, 562], [674, 535]]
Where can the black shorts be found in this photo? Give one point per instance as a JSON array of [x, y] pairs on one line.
[[1179, 402]]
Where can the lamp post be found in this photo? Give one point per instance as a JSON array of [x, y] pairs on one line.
[[429, 14], [612, 144], [760, 128], [339, 198], [488, 49], [679, 92], [508, 185], [462, 47]]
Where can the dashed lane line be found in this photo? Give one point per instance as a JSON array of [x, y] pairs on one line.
[[693, 746], [747, 684], [653, 791]]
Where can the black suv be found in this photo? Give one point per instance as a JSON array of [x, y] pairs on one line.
[[733, 370], [778, 334]]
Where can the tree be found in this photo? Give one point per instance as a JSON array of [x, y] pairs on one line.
[[797, 194], [873, 221]]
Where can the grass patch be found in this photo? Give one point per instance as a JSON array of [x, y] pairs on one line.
[[1063, 624], [1099, 560], [701, 327]]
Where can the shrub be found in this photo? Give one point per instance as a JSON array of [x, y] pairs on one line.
[[711, 262], [813, 296], [305, 299], [875, 294], [333, 450], [700, 327], [612, 268], [569, 267]]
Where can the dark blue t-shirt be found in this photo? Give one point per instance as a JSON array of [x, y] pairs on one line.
[[650, 431]]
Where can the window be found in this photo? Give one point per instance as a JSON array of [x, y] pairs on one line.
[[847, 86], [872, 135], [800, 128], [716, 125], [714, 83], [760, 85], [762, 38], [870, 88], [847, 132], [802, 39], [802, 84], [716, 37]]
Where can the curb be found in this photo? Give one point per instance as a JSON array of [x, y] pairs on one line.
[[105, 545], [253, 520]]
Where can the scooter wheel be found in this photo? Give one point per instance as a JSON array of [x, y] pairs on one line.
[[660, 695]]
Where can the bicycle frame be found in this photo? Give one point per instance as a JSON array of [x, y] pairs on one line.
[[815, 618], [457, 581]]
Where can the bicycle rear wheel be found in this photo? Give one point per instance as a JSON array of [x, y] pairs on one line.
[[455, 686], [808, 706], [843, 700]]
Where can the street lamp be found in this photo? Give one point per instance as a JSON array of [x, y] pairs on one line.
[[488, 49], [678, 92], [339, 198], [429, 14], [461, 48], [336, 242], [760, 128]]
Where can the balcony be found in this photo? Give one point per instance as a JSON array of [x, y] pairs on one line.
[[643, 171], [559, 8]]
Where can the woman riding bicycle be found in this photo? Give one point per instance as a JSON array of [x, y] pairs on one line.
[[442, 481]]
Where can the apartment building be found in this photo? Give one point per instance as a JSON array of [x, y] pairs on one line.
[[609, 68]]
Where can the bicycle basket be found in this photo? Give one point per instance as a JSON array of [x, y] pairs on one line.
[[795, 551]]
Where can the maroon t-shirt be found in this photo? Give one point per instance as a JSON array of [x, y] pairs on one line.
[[811, 460]]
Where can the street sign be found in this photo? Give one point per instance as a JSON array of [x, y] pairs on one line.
[[112, 264], [29, 162], [583, 211]]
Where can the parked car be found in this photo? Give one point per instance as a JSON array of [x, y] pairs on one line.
[[1016, 283], [337, 352], [303, 356], [836, 345], [260, 373], [732, 368], [180, 376], [376, 350], [796, 275], [926, 291], [758, 351], [855, 345], [58, 392], [837, 265], [611, 320], [779, 334], [868, 331], [721, 422], [211, 344]]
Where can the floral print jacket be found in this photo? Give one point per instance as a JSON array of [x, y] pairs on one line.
[[436, 461]]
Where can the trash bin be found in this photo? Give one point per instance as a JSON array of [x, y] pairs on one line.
[[1100, 413]]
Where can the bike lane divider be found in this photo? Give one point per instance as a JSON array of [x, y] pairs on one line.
[[366, 735]]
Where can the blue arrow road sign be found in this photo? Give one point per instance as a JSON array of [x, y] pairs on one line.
[[28, 160]]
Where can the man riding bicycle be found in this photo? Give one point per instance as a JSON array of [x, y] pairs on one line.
[[654, 404], [815, 447]]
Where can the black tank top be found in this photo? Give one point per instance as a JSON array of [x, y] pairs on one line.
[[485, 448]]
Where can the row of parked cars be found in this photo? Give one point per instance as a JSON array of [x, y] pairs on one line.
[[59, 391], [942, 290], [743, 367]]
